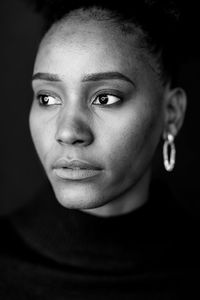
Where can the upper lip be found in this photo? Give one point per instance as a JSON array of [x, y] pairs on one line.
[[75, 164]]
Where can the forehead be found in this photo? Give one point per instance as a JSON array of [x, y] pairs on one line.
[[77, 45]]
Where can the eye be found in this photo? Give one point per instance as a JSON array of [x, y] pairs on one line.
[[106, 99], [47, 100]]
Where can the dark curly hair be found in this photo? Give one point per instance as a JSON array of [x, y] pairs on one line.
[[161, 22]]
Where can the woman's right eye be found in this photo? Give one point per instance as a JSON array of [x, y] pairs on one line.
[[47, 100]]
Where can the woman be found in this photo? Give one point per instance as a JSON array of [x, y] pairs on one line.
[[105, 95]]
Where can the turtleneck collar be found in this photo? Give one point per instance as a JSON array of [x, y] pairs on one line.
[[78, 239]]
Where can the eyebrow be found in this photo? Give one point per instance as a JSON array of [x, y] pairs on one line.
[[88, 77], [106, 76], [46, 77]]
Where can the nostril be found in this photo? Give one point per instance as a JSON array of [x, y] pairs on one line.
[[78, 142], [75, 135], [72, 141]]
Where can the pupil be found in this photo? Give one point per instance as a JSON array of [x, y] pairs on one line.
[[45, 99], [103, 99]]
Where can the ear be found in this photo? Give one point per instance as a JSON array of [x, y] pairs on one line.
[[175, 103]]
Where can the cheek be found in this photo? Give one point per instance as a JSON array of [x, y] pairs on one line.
[[42, 134], [133, 139]]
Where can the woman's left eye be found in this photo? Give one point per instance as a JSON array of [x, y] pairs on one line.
[[106, 99]]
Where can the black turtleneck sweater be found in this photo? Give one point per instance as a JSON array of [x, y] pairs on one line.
[[50, 252]]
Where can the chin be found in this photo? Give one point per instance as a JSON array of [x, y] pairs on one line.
[[79, 198]]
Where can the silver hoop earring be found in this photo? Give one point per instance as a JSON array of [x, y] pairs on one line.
[[169, 153]]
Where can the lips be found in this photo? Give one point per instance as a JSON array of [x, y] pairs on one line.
[[75, 164], [75, 169]]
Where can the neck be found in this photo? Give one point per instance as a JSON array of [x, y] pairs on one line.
[[130, 200]]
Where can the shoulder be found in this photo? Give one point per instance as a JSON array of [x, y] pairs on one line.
[[174, 217], [7, 235]]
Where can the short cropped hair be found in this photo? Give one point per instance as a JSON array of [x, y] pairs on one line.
[[159, 20]]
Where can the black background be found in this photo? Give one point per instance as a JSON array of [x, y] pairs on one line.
[[21, 174]]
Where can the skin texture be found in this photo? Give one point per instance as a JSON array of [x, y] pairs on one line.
[[120, 138]]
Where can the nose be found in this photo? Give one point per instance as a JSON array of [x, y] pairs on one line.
[[73, 129]]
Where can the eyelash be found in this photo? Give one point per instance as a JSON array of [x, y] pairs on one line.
[[41, 98], [106, 95]]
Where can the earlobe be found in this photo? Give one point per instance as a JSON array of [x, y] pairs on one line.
[[175, 108]]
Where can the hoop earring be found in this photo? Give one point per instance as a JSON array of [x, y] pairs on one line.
[[169, 153]]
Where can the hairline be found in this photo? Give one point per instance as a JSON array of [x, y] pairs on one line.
[[125, 26]]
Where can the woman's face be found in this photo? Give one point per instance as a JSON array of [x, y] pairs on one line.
[[96, 116]]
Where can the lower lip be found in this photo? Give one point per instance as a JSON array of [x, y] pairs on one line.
[[75, 174]]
